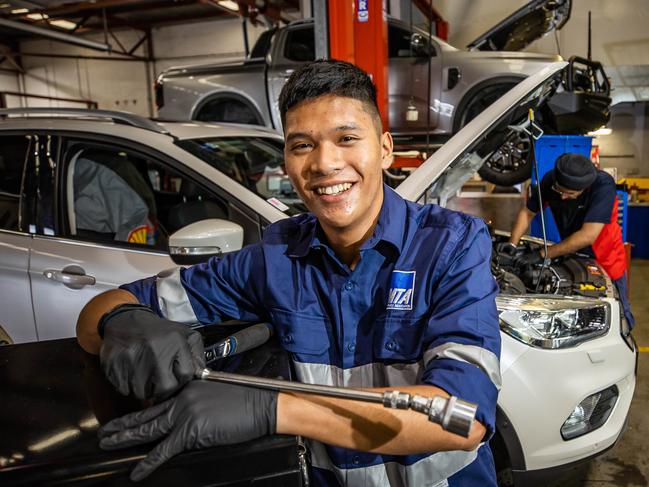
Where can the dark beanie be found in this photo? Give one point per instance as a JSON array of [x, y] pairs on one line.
[[574, 171]]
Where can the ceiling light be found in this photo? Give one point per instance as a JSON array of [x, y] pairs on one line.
[[63, 24], [17, 11], [229, 4]]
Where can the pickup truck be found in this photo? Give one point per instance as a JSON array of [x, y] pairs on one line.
[[462, 82]]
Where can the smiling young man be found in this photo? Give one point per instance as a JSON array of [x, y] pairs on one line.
[[366, 291]]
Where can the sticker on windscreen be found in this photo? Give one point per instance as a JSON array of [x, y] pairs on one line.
[[277, 204]]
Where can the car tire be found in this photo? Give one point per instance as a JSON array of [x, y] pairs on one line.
[[512, 162]]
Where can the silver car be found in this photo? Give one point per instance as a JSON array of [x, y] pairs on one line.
[[88, 201]]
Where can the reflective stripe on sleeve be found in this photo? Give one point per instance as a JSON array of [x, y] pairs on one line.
[[480, 357], [368, 375], [430, 471], [433, 470], [172, 297], [380, 375]]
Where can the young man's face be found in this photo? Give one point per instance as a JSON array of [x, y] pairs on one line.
[[335, 156]]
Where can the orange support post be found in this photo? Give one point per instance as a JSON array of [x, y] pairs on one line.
[[358, 33], [371, 49], [341, 30]]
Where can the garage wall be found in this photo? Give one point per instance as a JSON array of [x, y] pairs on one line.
[[123, 85], [8, 82], [203, 42], [117, 85]]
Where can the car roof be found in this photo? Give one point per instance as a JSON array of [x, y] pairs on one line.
[[159, 135], [196, 130], [124, 124]]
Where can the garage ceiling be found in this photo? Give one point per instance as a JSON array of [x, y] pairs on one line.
[[87, 16]]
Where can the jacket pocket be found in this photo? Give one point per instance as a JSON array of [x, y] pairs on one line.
[[300, 333], [399, 338]]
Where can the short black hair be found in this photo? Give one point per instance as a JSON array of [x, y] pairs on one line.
[[328, 77]]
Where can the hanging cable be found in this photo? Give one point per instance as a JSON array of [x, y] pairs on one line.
[[535, 165], [430, 35]]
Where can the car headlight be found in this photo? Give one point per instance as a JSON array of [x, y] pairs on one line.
[[555, 322]]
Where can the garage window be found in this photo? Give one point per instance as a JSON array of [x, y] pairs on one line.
[[115, 195]]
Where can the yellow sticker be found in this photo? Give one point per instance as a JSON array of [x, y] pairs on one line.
[[137, 235]]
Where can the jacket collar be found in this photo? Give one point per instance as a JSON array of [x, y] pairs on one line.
[[390, 228]]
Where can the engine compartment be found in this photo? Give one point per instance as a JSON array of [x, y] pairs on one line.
[[570, 275]]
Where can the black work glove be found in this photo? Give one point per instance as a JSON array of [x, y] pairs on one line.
[[529, 259], [506, 248], [147, 355], [203, 414]]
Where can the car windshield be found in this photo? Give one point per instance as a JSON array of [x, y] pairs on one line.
[[255, 163]]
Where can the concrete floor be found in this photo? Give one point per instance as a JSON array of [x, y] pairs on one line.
[[627, 464]]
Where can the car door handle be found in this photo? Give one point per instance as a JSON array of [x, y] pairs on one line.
[[71, 278]]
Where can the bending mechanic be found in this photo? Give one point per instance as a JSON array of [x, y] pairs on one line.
[[367, 290], [583, 202]]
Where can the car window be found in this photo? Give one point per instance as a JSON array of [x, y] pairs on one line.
[[399, 42], [120, 196], [39, 184], [255, 163], [13, 154], [262, 46], [300, 44]]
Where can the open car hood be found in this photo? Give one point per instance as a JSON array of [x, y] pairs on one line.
[[527, 24], [443, 173]]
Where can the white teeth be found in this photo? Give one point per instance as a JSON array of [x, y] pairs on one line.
[[335, 189]]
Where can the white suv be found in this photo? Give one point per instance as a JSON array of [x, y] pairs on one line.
[[568, 360]]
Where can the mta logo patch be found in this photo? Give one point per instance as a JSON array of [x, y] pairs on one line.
[[402, 290]]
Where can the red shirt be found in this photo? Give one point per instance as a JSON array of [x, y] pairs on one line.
[[609, 247]]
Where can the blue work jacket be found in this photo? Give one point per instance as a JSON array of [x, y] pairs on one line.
[[419, 308]]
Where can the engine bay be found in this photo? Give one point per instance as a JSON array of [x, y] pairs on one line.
[[570, 275]]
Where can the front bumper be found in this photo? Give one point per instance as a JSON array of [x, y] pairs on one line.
[[542, 387], [555, 476]]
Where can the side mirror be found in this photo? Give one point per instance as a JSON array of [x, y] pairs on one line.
[[201, 240], [420, 46]]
